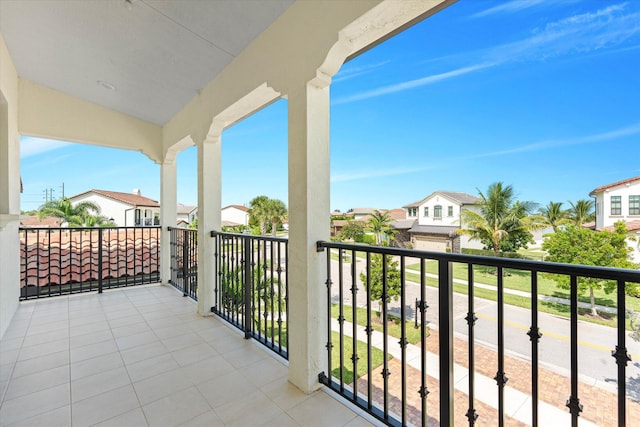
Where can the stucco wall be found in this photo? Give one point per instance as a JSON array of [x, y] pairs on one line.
[[9, 190], [235, 215]]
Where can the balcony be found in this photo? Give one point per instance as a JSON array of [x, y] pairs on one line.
[[147, 351], [142, 356]]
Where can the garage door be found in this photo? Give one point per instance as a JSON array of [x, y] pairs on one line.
[[430, 245]]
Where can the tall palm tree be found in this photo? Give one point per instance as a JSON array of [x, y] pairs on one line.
[[499, 216], [553, 215], [258, 212], [276, 212], [74, 216], [581, 212], [380, 225]]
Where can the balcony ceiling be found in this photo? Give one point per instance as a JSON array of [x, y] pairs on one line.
[[144, 58]]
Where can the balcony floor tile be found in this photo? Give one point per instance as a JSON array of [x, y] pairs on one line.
[[143, 357]]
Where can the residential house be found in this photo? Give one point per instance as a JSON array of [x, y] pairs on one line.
[[620, 201], [126, 209], [436, 221], [186, 214], [35, 222], [234, 215]]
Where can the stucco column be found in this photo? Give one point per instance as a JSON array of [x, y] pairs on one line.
[[308, 223], [209, 204], [168, 215]]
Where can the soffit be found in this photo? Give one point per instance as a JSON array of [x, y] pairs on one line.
[[158, 54]]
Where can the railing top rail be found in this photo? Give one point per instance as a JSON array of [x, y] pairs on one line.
[[86, 228], [606, 273], [249, 236], [193, 230]]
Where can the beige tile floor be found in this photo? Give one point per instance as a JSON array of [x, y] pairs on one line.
[[142, 357]]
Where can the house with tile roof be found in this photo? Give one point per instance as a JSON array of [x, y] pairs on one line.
[[126, 209], [436, 220], [234, 215], [620, 201], [186, 214]]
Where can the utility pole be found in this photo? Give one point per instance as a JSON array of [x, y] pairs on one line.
[[63, 190]]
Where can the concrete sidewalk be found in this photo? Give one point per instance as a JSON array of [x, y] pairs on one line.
[[600, 405]]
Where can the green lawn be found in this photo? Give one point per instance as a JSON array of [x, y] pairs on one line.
[[347, 365], [393, 326], [525, 302]]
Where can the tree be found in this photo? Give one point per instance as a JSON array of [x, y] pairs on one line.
[[264, 211], [352, 230], [74, 216], [502, 224], [377, 279], [553, 215], [380, 225], [577, 245], [276, 212], [258, 213], [581, 212]]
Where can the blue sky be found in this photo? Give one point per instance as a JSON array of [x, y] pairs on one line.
[[542, 95]]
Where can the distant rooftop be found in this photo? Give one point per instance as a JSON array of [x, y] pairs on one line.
[[615, 184], [133, 199]]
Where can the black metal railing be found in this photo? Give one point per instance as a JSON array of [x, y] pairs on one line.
[[60, 261], [359, 275], [251, 286], [184, 261]]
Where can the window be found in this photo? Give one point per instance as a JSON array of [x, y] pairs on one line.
[[412, 211], [137, 222], [634, 205], [437, 211], [450, 211], [616, 205], [426, 211]]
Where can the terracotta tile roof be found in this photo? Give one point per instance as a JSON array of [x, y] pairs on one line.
[[631, 226], [128, 198], [239, 207], [397, 214], [34, 221], [615, 184]]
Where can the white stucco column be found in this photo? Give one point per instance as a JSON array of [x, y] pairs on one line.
[[308, 223], [168, 214], [209, 205]]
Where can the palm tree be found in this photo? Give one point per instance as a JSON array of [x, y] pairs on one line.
[[499, 217], [380, 225], [258, 212], [553, 215], [276, 212], [74, 216], [581, 212]]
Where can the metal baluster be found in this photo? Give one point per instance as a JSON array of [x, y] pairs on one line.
[[621, 355], [501, 378], [445, 320], [534, 336], [471, 319], [574, 402]]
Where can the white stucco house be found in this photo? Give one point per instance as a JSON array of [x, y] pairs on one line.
[[186, 214], [234, 215], [436, 219], [620, 201], [126, 209]]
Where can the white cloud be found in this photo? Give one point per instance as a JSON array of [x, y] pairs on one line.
[[508, 7], [582, 33], [412, 84], [351, 72], [31, 146], [631, 130], [377, 173]]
